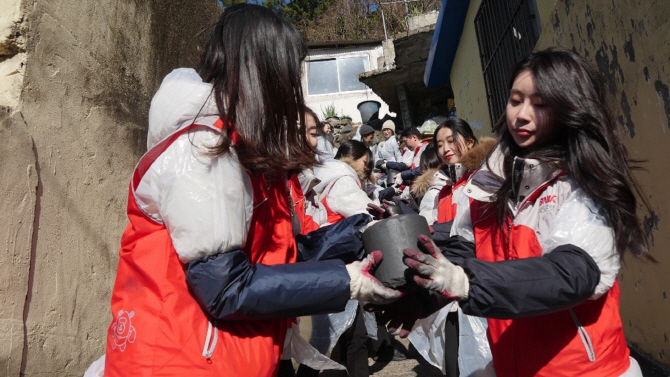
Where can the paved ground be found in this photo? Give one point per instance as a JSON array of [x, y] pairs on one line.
[[648, 368], [415, 365]]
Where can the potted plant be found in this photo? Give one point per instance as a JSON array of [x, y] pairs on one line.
[[329, 112]]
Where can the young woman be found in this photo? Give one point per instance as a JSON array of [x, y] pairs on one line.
[[343, 181], [324, 139], [341, 191], [551, 215], [427, 186], [315, 214], [460, 154], [388, 150], [207, 282], [452, 141]]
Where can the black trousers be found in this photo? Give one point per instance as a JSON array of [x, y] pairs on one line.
[[353, 347], [451, 344], [353, 350], [383, 337], [286, 369]]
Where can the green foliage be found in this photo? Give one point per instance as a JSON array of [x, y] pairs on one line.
[[340, 20], [329, 111], [299, 11], [227, 3], [344, 20], [417, 10]]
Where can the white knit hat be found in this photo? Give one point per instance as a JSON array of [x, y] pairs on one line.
[[389, 124]]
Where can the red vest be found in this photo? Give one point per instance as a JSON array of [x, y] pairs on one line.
[[416, 151], [333, 217], [446, 206], [548, 345], [307, 223], [158, 329]]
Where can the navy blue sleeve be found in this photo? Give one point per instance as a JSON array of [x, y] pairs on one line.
[[386, 194], [409, 208], [409, 175], [228, 287], [441, 233], [399, 166], [341, 240], [520, 288], [457, 249]]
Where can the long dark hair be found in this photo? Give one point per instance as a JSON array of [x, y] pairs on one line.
[[429, 158], [319, 124], [458, 127], [587, 146], [253, 60], [354, 150]]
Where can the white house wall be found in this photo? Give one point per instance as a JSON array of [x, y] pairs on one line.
[[345, 103]]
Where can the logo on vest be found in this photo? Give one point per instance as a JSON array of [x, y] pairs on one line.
[[547, 203], [123, 331], [548, 199]]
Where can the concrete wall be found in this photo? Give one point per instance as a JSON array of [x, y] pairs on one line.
[[544, 9], [627, 41], [70, 137], [345, 103], [12, 52], [422, 20], [18, 184], [467, 80]]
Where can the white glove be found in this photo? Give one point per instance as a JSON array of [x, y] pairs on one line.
[[383, 166], [398, 179], [435, 272], [365, 287]]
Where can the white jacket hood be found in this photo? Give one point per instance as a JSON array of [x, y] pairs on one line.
[[181, 98], [332, 170], [429, 179]]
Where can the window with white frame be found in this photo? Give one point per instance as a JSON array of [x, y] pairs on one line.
[[335, 75]]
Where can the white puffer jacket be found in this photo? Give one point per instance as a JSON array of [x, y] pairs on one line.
[[342, 189], [389, 150], [205, 202], [427, 187]]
